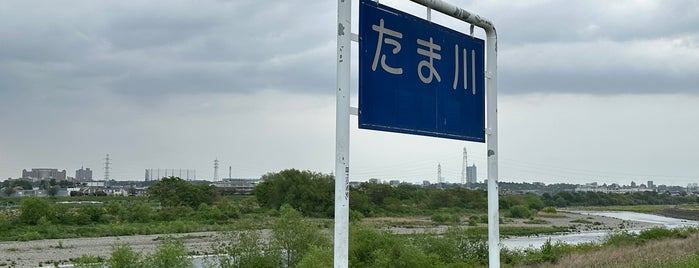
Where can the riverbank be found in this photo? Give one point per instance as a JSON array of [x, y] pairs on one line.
[[42, 252], [680, 213], [58, 251]]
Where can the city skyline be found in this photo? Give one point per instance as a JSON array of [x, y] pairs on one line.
[[588, 91]]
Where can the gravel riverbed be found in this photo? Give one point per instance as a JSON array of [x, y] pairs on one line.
[[44, 253]]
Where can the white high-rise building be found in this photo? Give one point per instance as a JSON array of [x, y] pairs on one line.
[[471, 174]]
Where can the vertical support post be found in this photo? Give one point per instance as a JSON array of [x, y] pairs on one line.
[[341, 233], [492, 145]]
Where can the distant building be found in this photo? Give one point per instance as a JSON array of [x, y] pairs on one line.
[[37, 174], [355, 184], [155, 174], [237, 186], [96, 184], [83, 174], [394, 183], [650, 184], [471, 174]]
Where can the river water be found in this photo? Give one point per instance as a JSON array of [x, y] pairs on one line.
[[595, 236]]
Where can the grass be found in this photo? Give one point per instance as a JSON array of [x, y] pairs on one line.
[[536, 221], [61, 231], [550, 215], [656, 253], [583, 221], [652, 209]]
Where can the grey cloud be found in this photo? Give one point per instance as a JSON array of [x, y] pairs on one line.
[[145, 50], [574, 21], [160, 48]]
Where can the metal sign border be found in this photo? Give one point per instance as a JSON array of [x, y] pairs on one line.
[[342, 112]]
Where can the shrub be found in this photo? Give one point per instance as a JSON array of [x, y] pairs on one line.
[[620, 238], [519, 211], [551, 210], [245, 249], [294, 235], [317, 257], [656, 233], [123, 256], [442, 218], [171, 253], [355, 216], [87, 260], [473, 220], [33, 209], [373, 248]]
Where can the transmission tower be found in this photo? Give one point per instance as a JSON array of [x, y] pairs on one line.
[[216, 169], [106, 168], [440, 180], [464, 167]]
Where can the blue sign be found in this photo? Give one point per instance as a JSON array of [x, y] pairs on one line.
[[417, 77]]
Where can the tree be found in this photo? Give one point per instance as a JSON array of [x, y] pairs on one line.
[[52, 191], [294, 235], [173, 191], [310, 193], [26, 185], [8, 190], [33, 209]]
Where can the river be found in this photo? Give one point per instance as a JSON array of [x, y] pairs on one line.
[[595, 236]]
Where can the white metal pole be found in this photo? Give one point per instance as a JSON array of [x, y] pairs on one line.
[[341, 235], [492, 145], [491, 117]]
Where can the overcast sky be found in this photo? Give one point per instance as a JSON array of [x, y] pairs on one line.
[[604, 91]]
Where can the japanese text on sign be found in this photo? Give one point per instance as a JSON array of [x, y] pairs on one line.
[[418, 77]]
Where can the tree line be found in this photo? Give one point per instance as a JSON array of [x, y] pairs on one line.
[[313, 195]]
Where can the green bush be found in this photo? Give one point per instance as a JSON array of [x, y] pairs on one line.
[[657, 233], [620, 238], [33, 209], [171, 253], [30, 235], [443, 218], [473, 220], [355, 216], [317, 257], [245, 249], [137, 212], [519, 211], [123, 256], [373, 248], [551, 210], [293, 234]]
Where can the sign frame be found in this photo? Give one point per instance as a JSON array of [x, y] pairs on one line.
[[342, 113]]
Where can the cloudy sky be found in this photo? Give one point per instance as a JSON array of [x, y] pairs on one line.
[[604, 91]]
